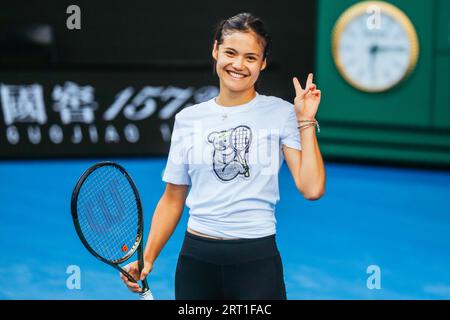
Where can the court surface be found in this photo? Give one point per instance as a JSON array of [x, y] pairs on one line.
[[396, 219]]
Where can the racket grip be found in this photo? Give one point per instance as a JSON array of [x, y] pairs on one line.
[[146, 295]]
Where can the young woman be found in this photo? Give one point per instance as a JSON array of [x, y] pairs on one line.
[[229, 150]]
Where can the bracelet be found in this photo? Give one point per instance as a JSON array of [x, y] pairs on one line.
[[310, 123], [305, 127]]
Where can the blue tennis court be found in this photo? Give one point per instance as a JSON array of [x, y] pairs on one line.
[[396, 219]]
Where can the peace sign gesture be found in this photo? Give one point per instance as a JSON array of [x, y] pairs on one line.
[[306, 100]]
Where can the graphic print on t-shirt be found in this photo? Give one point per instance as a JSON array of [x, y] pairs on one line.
[[230, 156]]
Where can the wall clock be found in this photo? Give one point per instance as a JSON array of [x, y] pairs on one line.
[[374, 46]]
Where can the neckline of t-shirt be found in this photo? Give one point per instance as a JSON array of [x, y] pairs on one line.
[[237, 108]]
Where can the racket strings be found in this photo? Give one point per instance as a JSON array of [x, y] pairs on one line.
[[240, 141], [108, 213], [109, 236], [240, 138], [125, 230], [104, 239]]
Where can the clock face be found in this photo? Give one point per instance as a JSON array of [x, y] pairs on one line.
[[374, 46]]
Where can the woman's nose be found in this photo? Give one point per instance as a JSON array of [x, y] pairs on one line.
[[238, 64]]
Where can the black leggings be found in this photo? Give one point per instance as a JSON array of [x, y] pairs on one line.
[[241, 269]]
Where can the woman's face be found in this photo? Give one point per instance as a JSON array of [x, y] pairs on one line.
[[239, 60]]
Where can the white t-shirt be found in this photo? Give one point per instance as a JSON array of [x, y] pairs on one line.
[[231, 156]]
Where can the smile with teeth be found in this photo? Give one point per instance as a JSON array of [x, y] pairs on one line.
[[236, 75]]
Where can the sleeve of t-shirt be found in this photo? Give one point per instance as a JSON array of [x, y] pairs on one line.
[[290, 134], [176, 170]]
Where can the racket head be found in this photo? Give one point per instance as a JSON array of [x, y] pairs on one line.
[[107, 213], [241, 138]]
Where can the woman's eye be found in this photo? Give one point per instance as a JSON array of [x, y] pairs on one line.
[[229, 52]]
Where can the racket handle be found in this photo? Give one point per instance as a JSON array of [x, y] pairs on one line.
[[146, 295]]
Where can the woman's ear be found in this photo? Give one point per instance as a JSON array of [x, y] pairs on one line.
[[264, 64], [215, 51]]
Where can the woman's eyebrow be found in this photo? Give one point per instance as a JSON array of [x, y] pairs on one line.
[[247, 54]]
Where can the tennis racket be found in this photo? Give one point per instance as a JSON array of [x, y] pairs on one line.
[[240, 139], [108, 217]]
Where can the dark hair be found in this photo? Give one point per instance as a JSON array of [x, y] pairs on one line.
[[243, 22]]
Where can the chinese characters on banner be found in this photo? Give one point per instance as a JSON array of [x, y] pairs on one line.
[[83, 121]]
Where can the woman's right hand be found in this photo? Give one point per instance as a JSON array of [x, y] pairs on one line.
[[133, 269]]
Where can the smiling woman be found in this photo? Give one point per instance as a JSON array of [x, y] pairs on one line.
[[240, 52], [229, 250]]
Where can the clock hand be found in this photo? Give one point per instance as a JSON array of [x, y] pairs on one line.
[[386, 48], [373, 50]]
